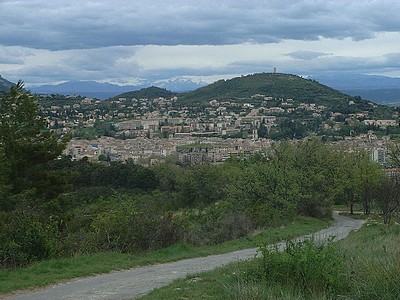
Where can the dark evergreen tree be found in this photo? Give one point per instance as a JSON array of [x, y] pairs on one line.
[[26, 142], [4, 186]]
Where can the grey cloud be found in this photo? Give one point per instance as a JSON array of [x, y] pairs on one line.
[[255, 66], [306, 55], [125, 70], [91, 24], [8, 59], [13, 55], [46, 72], [392, 60], [325, 64], [98, 59], [359, 65], [239, 67], [82, 65]]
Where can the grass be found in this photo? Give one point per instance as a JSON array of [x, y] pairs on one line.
[[369, 269], [62, 269], [233, 281], [373, 260]]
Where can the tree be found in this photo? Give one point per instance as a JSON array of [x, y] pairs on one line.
[[349, 183], [387, 196], [316, 166], [394, 153], [368, 175], [201, 185], [25, 140], [4, 186], [358, 175]]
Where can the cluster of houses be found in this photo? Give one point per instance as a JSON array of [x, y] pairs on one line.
[[192, 150], [150, 130], [153, 151]]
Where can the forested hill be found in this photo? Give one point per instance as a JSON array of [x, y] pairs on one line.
[[268, 84], [150, 92]]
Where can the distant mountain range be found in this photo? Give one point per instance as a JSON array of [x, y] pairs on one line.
[[358, 82], [84, 88], [107, 90], [379, 89]]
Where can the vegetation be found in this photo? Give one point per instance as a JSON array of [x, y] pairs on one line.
[[26, 146], [276, 86], [53, 207], [58, 99], [129, 208], [57, 269], [151, 92], [363, 266]]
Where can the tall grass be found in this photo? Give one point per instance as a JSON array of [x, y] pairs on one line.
[[364, 266], [313, 270], [373, 262]]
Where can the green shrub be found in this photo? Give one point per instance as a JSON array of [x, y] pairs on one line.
[[121, 223], [24, 239], [214, 224], [80, 242], [312, 269], [264, 215]]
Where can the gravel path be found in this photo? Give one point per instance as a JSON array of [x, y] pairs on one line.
[[128, 284]]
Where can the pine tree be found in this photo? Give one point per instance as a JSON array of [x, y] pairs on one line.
[[25, 141]]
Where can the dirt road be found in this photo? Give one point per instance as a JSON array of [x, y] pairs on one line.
[[128, 284]]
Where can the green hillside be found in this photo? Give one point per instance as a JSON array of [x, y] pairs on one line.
[[150, 92], [269, 84]]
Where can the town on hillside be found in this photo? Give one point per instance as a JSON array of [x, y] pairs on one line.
[[151, 130]]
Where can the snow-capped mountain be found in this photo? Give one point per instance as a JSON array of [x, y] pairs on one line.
[[179, 84], [107, 90]]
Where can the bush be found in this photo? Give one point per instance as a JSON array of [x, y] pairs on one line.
[[24, 239], [133, 230], [313, 270], [214, 224], [263, 215], [121, 223], [79, 242]]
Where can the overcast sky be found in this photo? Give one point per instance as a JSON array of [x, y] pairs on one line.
[[128, 41]]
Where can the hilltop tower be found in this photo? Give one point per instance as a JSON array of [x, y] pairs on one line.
[[274, 70]]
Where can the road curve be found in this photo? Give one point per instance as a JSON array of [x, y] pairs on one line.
[[128, 284]]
